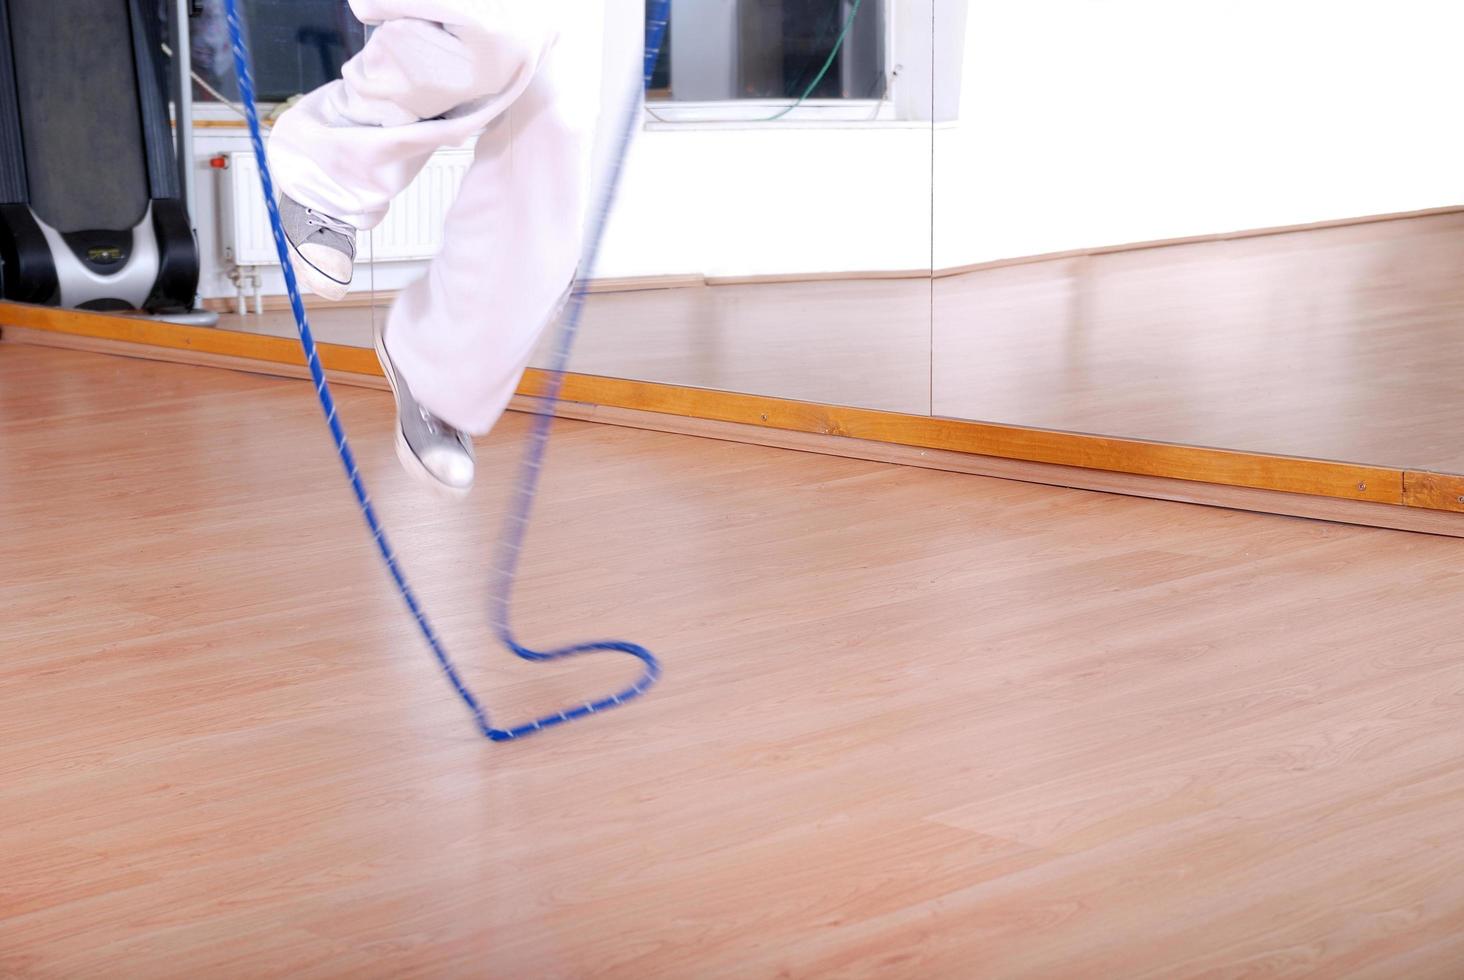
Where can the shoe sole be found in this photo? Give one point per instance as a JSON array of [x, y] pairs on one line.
[[414, 466], [314, 280]]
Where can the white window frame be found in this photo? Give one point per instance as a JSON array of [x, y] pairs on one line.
[[740, 113]]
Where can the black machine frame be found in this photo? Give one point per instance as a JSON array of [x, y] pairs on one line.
[[101, 268]]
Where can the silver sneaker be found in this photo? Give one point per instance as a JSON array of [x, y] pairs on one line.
[[428, 447], [322, 248]]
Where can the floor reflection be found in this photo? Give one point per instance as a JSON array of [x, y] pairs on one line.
[[861, 342], [1342, 343]]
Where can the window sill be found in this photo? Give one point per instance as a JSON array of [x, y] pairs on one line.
[[774, 114]]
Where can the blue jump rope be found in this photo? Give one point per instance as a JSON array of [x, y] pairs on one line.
[[515, 525]]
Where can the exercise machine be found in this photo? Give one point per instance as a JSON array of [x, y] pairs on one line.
[[93, 211]]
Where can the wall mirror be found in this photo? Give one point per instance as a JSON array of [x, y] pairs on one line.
[[1247, 238], [1013, 227]]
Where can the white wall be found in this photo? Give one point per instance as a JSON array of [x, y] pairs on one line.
[[768, 201], [1100, 122], [719, 202]]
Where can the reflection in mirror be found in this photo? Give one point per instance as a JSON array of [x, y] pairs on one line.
[[1334, 343], [754, 61], [297, 45], [1161, 225], [772, 234]]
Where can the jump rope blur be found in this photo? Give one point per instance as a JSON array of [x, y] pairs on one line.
[[515, 524]]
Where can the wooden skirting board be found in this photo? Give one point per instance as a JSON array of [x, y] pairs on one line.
[[1330, 490]]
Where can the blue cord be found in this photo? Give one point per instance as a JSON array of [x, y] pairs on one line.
[[515, 525], [658, 14]]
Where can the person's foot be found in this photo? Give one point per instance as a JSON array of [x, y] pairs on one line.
[[428, 447], [322, 248]]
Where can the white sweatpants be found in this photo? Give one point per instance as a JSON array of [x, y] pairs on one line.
[[527, 74]]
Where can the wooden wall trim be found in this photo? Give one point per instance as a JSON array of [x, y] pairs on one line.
[[1139, 458], [1259, 471], [185, 355], [1433, 491], [1362, 513], [177, 337]]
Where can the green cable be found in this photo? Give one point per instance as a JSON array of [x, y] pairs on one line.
[[826, 65]]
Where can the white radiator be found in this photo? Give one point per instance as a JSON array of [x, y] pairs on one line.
[[412, 229]]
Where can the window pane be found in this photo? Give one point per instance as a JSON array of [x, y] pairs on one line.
[[773, 49], [297, 45]]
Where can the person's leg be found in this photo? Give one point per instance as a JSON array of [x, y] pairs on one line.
[[461, 335], [433, 73]]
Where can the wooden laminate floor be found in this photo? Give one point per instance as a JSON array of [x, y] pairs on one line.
[[1339, 343], [863, 342], [913, 723]]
